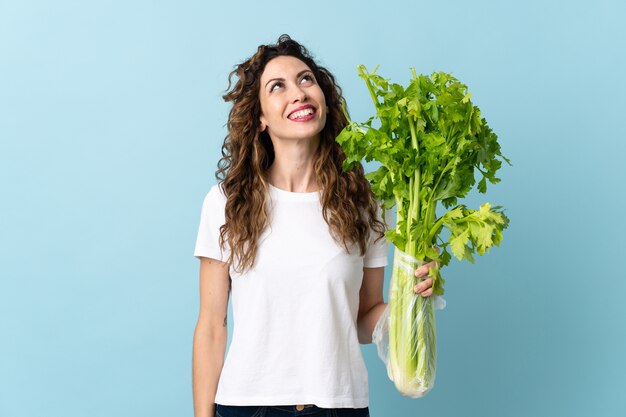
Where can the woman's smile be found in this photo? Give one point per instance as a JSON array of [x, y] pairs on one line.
[[302, 113]]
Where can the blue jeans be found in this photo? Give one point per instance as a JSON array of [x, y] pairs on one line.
[[287, 411]]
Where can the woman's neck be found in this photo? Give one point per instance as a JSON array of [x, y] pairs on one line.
[[293, 168]]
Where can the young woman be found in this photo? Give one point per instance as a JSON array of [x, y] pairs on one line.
[[300, 244]]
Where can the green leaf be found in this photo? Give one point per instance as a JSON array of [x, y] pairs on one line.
[[457, 244], [482, 185]]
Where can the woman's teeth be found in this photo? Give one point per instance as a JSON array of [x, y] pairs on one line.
[[300, 114]]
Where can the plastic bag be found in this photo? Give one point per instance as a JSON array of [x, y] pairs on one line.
[[412, 356]]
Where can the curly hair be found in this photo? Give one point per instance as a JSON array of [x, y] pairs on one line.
[[348, 204]]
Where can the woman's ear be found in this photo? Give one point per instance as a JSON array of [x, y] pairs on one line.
[[262, 124]]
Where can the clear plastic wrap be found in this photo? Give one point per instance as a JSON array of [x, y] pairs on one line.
[[405, 335]]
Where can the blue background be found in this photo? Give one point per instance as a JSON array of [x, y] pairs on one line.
[[111, 122]]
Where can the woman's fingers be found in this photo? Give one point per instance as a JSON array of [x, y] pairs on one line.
[[424, 288], [427, 293], [423, 270]]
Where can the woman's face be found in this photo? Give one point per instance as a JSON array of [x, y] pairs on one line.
[[293, 105]]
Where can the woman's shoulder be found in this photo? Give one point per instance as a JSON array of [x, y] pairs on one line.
[[217, 191], [215, 197]]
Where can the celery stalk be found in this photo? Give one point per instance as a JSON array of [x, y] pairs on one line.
[[412, 341]]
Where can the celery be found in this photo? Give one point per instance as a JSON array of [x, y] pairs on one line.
[[430, 142]]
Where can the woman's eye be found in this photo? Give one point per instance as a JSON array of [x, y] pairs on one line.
[[307, 78], [273, 87]]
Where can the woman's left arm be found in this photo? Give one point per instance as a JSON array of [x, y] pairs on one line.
[[371, 303]]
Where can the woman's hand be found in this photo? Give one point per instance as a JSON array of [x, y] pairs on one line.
[[424, 288]]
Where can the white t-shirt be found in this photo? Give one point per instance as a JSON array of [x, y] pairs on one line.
[[294, 327]]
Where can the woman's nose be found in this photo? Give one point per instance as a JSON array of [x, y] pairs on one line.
[[299, 95]]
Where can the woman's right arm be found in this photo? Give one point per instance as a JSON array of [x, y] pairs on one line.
[[210, 336]]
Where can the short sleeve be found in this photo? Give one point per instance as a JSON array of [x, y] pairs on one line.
[[211, 219], [376, 254]]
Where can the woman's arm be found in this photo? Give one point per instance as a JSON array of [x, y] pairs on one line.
[[210, 336], [371, 303]]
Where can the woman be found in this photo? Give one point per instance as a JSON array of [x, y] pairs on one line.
[[299, 242]]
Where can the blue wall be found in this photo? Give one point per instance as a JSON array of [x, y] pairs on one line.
[[111, 124]]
